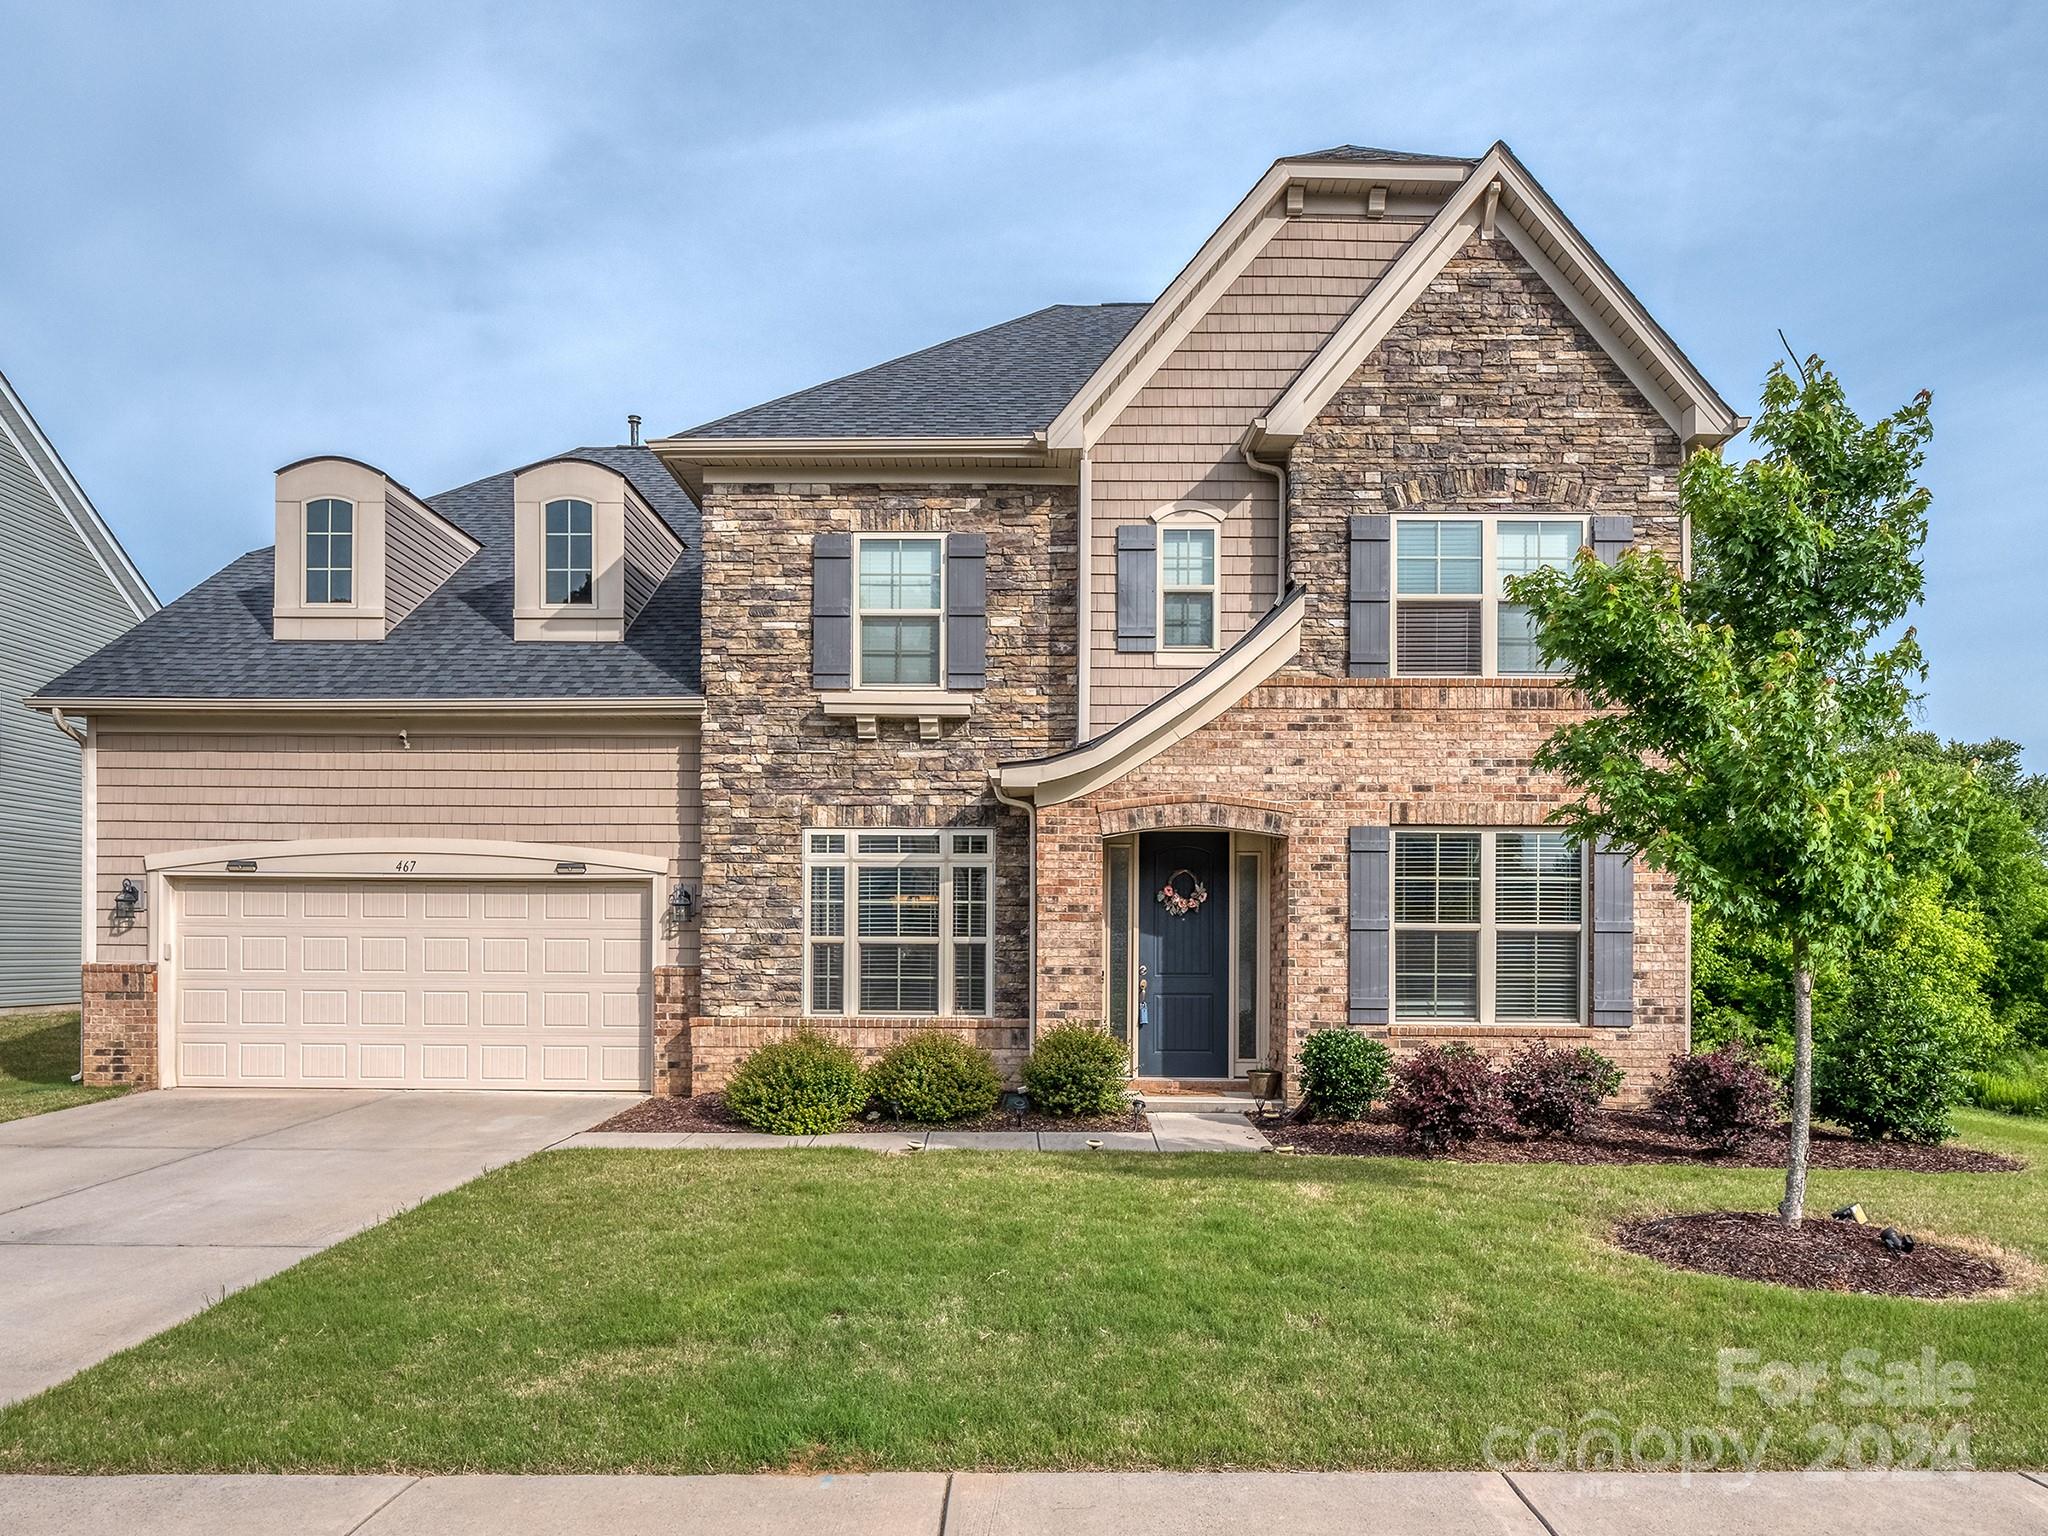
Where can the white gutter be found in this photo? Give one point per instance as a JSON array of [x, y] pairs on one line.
[[679, 705], [1031, 910]]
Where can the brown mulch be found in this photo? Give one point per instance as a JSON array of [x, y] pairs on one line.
[[708, 1112], [1820, 1254], [1620, 1136]]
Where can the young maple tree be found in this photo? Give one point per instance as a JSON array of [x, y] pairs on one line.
[[1737, 704]]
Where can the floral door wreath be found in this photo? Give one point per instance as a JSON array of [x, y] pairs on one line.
[[1176, 903]]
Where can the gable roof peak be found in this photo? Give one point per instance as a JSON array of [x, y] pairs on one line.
[[1366, 154]]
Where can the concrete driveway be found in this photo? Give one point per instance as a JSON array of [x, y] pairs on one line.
[[121, 1218]]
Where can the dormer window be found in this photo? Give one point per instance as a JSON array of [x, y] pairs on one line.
[[330, 550], [568, 551]]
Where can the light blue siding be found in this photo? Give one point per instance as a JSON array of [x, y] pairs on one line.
[[58, 604]]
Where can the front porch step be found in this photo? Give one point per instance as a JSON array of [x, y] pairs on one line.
[[1219, 1102]]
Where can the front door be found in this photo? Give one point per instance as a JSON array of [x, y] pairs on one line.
[[1184, 954]]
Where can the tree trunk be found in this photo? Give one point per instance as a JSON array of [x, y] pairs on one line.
[[1802, 1084]]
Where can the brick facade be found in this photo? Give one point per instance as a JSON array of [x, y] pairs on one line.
[[117, 1024], [774, 763], [675, 1004], [1339, 754]]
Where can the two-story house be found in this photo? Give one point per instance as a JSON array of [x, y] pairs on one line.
[[1146, 663]]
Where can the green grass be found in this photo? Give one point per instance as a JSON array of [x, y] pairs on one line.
[[2016, 1084], [38, 1054], [689, 1312]]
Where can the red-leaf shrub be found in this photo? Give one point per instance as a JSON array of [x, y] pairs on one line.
[[1445, 1096], [1554, 1093], [1721, 1097]]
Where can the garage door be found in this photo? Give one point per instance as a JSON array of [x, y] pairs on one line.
[[411, 984]]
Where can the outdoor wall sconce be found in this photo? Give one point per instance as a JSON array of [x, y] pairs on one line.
[[682, 902], [130, 900]]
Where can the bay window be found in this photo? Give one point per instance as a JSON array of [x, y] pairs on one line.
[[898, 922], [1452, 617], [1488, 927]]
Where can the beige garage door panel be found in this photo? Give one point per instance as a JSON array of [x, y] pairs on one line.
[[412, 984]]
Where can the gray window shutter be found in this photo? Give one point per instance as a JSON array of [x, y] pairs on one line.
[[1371, 930], [1614, 936], [1372, 595], [1137, 591], [832, 610], [966, 610], [1611, 535]]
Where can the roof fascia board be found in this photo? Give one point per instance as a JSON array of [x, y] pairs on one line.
[[687, 705], [1349, 346], [307, 855], [1081, 770], [1195, 290], [1613, 291], [859, 474], [710, 450], [62, 487]]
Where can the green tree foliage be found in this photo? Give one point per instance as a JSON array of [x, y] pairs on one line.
[[1896, 1047], [1736, 709]]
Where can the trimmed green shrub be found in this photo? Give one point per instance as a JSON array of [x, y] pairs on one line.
[[1554, 1093], [1445, 1096], [1342, 1074], [1077, 1069], [1722, 1097], [1893, 1058], [802, 1086], [935, 1076]]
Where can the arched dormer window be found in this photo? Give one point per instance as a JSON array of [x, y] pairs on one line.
[[568, 538], [330, 550]]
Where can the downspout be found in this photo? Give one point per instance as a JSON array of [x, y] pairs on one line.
[[1031, 909], [1084, 597], [85, 892], [1279, 474]]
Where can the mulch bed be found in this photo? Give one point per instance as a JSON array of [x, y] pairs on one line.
[[1619, 1136], [1820, 1254], [708, 1112]]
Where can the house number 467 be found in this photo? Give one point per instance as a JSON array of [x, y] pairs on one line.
[[407, 866]]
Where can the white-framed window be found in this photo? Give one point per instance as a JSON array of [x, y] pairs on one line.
[[899, 613], [330, 550], [566, 534], [1451, 615], [1187, 586], [1489, 927], [898, 922]]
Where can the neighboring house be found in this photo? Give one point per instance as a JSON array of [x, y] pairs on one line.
[[1138, 663], [66, 589]]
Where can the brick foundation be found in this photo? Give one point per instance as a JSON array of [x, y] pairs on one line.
[[117, 1025], [718, 1045], [675, 1005]]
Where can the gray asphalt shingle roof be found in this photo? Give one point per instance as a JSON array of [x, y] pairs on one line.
[[1007, 381], [215, 642]]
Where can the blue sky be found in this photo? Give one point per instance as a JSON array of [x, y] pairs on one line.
[[453, 238]]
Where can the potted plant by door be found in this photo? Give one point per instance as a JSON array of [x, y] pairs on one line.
[[1264, 1083]]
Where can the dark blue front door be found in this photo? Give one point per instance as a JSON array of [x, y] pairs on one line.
[[1184, 958]]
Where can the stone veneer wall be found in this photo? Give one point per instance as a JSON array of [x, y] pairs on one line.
[[773, 763], [117, 1024], [1487, 396], [1306, 760]]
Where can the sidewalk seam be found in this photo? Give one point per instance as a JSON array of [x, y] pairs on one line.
[[395, 1497], [946, 1505], [2036, 1477], [1529, 1504]]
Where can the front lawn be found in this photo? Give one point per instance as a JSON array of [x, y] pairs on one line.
[[589, 1311], [38, 1054]]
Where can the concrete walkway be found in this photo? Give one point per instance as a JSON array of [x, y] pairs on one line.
[[121, 1218], [1035, 1504], [1172, 1131]]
